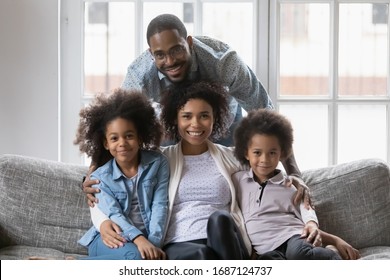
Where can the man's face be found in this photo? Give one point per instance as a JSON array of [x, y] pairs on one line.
[[172, 54]]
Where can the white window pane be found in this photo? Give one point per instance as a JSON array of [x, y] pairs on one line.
[[363, 49], [304, 49], [310, 124], [361, 132], [231, 23], [108, 44]]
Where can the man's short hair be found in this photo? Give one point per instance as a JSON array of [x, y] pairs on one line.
[[165, 22]]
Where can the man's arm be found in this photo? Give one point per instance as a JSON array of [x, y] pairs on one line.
[[243, 83], [291, 167], [87, 186]]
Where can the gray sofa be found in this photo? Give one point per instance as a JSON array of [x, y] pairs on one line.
[[43, 211]]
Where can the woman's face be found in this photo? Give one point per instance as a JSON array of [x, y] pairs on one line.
[[195, 122]]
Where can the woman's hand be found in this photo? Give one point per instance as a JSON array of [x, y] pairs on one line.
[[90, 191], [346, 251], [111, 234], [337, 244], [148, 250]]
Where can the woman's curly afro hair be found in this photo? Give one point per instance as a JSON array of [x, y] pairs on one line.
[[129, 105], [175, 98]]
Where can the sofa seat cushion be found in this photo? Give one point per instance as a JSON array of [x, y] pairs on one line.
[[23, 252], [375, 253]]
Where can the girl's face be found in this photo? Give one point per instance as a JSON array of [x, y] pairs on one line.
[[195, 122], [123, 142], [263, 154]]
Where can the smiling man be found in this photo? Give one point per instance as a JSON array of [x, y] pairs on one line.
[[174, 57]]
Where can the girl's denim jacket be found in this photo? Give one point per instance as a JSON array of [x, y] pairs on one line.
[[115, 197]]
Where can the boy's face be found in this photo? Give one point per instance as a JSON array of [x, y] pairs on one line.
[[172, 55], [263, 154]]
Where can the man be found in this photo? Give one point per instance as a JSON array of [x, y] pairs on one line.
[[173, 58]]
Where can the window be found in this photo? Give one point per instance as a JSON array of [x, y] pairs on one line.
[[329, 74], [325, 63]]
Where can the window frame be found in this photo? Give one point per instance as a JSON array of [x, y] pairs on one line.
[[333, 100]]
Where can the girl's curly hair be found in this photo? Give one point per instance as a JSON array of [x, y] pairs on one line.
[[175, 98], [129, 105], [266, 122]]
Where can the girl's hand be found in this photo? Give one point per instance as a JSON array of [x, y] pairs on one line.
[[111, 234]]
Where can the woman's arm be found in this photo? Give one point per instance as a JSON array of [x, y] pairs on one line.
[[346, 251]]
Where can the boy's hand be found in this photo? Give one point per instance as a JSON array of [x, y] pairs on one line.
[[312, 234]]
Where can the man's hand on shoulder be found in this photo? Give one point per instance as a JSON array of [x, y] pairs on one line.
[[303, 192]]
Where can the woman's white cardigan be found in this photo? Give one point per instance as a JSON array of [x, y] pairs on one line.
[[227, 165]]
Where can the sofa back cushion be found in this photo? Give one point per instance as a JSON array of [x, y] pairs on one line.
[[42, 204], [352, 201]]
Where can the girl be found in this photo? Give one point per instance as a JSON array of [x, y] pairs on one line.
[[119, 133]]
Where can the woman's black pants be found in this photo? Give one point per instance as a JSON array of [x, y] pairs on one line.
[[224, 242]]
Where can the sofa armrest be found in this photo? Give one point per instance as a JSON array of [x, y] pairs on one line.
[[41, 204], [352, 201]]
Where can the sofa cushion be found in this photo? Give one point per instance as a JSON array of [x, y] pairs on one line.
[[41, 204], [22, 252], [352, 201]]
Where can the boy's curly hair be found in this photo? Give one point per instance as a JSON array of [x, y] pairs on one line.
[[175, 98], [129, 105], [266, 122]]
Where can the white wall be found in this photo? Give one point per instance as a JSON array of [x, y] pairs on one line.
[[29, 78]]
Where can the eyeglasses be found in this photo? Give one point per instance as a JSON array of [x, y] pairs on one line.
[[175, 53]]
